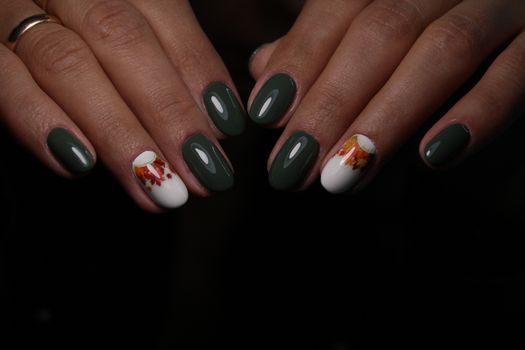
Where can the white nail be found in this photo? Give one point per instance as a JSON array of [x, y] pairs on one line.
[[345, 169], [159, 180]]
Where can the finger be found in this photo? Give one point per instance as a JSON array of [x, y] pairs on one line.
[[197, 62], [133, 58], [442, 59], [260, 57], [376, 42], [483, 113], [299, 58], [39, 123], [65, 68]]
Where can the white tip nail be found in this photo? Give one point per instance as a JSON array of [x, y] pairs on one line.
[[159, 180], [345, 169]]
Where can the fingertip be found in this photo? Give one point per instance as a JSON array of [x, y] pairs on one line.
[[260, 58]]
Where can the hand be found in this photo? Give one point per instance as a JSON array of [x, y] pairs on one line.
[[353, 80], [126, 81]]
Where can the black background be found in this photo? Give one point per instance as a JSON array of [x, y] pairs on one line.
[[417, 254]]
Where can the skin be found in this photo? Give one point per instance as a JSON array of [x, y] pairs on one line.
[[126, 76], [381, 68], [123, 76]]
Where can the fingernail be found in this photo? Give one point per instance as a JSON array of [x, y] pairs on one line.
[[447, 145], [345, 169], [224, 109], [207, 163], [273, 100], [293, 161], [159, 180], [69, 151]]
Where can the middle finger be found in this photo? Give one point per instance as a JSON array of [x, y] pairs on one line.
[[133, 58]]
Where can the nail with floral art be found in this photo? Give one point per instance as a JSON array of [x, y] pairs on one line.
[[347, 166], [159, 180]]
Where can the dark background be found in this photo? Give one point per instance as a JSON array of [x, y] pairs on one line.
[[418, 254]]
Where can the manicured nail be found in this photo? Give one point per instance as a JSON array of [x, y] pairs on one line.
[[345, 169], [207, 163], [69, 151], [273, 100], [159, 180], [447, 145], [224, 109], [293, 161]]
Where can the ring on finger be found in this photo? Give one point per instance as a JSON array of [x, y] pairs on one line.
[[25, 25]]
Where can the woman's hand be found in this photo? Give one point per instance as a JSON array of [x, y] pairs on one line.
[[126, 81], [353, 80]]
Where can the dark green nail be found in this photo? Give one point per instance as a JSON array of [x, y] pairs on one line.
[[224, 109], [69, 151], [207, 163], [273, 100], [293, 161], [447, 145]]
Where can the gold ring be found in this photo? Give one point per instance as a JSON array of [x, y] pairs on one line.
[[27, 24]]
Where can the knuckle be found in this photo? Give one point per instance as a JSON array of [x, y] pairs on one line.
[[114, 23], [391, 20], [60, 52], [457, 35]]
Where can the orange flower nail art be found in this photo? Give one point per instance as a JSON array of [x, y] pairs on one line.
[[345, 168], [354, 155], [159, 180]]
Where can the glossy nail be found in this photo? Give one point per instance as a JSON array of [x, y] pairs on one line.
[[69, 151], [346, 167], [293, 161], [224, 109], [273, 100], [447, 145], [159, 180], [207, 163]]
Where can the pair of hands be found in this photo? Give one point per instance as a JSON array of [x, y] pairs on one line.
[[138, 85]]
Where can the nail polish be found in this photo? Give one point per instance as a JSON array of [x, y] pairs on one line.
[[273, 100], [69, 151], [159, 180], [207, 163], [294, 161], [224, 109], [347, 166], [447, 145]]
